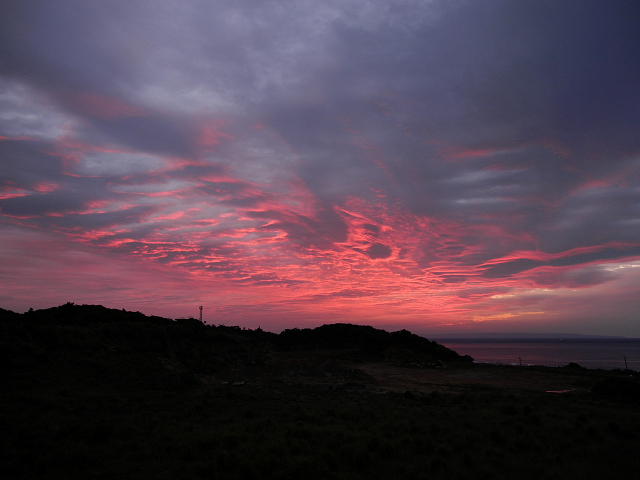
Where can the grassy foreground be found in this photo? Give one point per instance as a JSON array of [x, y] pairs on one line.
[[108, 394]]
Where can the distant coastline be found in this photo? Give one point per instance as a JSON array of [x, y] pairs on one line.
[[520, 336], [587, 351]]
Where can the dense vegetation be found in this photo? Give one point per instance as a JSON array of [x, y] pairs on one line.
[[90, 392]]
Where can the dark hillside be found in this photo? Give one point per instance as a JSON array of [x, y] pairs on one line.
[[92, 392], [366, 341], [94, 345]]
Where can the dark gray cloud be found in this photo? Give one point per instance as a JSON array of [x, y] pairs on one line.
[[458, 141], [523, 264], [107, 219], [39, 205], [378, 251], [546, 89], [323, 230], [26, 163]]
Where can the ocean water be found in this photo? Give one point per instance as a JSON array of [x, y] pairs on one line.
[[590, 353]]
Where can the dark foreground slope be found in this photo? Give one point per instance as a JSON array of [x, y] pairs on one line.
[[90, 392]]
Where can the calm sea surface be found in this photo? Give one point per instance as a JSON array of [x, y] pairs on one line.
[[607, 354]]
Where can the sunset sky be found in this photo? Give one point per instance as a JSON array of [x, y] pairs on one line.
[[440, 166]]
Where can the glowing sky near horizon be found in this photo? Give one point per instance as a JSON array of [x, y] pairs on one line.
[[440, 166]]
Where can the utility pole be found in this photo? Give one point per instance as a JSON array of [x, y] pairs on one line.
[[200, 307]]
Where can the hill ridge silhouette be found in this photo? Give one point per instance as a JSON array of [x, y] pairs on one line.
[[93, 392], [94, 344]]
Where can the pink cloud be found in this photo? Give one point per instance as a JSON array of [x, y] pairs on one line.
[[210, 134]]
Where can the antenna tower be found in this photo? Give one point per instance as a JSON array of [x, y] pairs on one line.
[[200, 307]]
